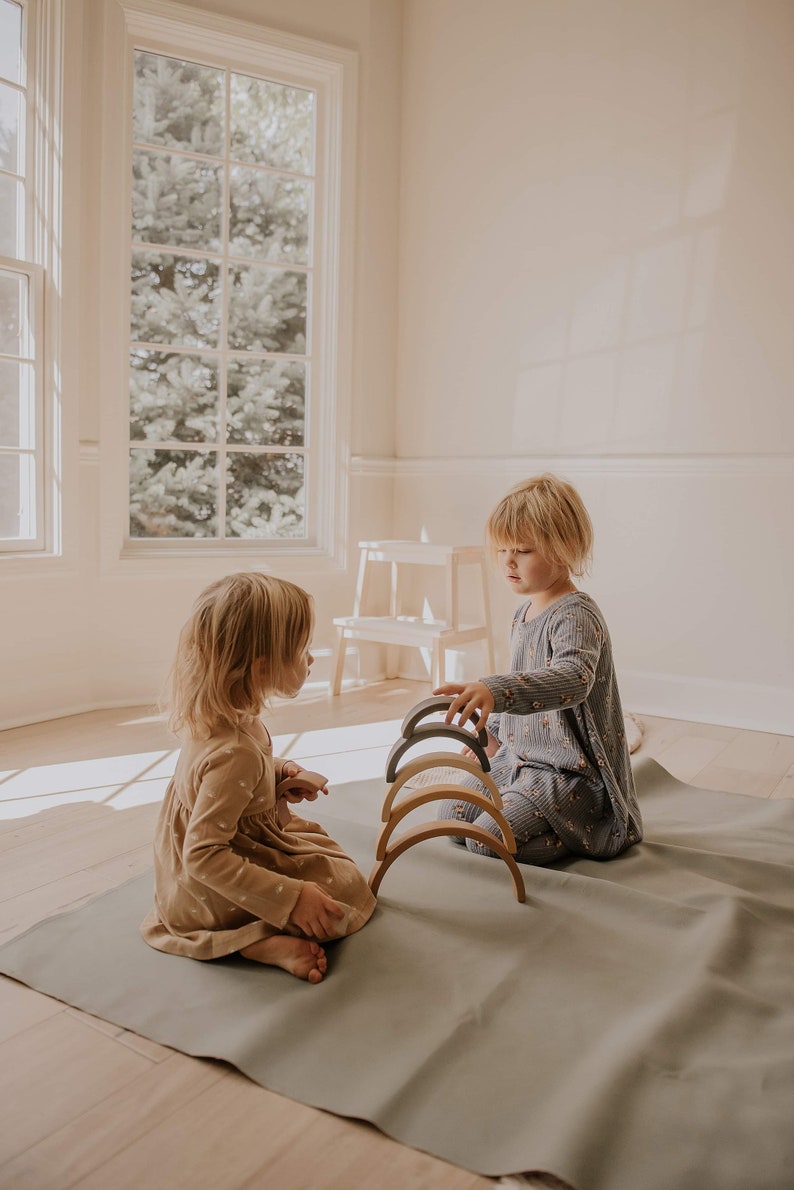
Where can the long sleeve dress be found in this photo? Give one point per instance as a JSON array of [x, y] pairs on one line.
[[563, 764], [226, 873]]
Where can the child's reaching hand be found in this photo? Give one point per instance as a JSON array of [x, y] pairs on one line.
[[471, 697], [315, 912], [491, 748]]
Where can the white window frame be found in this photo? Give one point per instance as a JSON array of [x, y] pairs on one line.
[[42, 81], [32, 448], [331, 72]]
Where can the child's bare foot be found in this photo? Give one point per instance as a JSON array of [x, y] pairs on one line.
[[299, 956]]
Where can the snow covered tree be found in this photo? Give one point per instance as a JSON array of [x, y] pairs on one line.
[[219, 291]]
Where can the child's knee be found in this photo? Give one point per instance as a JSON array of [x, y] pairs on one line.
[[455, 809], [486, 823]]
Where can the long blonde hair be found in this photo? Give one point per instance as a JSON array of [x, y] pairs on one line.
[[548, 512], [236, 621]]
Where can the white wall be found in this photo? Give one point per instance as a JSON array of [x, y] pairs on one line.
[[573, 251], [84, 630], [597, 278]]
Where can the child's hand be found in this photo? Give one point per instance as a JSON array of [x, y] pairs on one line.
[[491, 748], [471, 697], [315, 912], [294, 791]]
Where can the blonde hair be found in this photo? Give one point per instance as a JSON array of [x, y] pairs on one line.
[[549, 513], [235, 622]]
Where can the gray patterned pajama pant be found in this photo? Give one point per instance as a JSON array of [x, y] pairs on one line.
[[535, 840]]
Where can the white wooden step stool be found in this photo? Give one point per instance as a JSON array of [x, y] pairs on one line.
[[396, 630]]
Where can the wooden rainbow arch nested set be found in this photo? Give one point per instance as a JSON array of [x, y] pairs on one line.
[[415, 730]]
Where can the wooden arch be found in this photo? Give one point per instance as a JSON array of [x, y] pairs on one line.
[[434, 760], [434, 793], [434, 830], [427, 731]]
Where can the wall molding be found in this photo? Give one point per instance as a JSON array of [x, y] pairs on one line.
[[616, 464]]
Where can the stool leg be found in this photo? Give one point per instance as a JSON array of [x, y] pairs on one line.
[[392, 660], [438, 664], [338, 661], [486, 605]]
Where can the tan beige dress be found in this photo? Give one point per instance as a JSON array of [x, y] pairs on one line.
[[226, 873]]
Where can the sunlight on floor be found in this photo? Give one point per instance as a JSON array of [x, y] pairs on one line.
[[353, 753]]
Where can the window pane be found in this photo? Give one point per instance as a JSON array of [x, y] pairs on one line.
[[176, 200], [176, 103], [264, 495], [173, 493], [272, 124], [17, 496], [12, 206], [256, 209], [11, 139], [17, 406], [10, 41], [173, 397], [13, 314], [266, 402], [267, 310], [269, 216], [175, 299]]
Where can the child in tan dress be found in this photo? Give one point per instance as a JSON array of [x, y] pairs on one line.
[[235, 870]]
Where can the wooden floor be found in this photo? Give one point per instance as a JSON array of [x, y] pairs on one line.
[[86, 1104]]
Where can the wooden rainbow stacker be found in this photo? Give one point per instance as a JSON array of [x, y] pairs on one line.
[[413, 731]]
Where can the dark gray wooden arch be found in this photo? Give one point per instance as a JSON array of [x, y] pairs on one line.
[[428, 731], [433, 706]]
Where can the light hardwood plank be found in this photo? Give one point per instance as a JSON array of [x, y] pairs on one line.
[[18, 914], [18, 832], [785, 787], [21, 1007], [759, 752], [105, 1129], [328, 1158], [659, 733], [687, 755], [141, 1045], [52, 1073], [732, 780], [237, 1134], [71, 851]]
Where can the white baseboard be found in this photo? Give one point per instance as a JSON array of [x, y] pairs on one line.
[[320, 676], [49, 713], [705, 700]]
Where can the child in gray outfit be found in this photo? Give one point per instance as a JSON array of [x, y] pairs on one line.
[[555, 724]]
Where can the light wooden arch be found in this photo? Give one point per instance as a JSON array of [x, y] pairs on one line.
[[434, 793], [434, 760], [435, 830]]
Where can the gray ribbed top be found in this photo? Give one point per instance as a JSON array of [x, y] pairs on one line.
[[560, 723]]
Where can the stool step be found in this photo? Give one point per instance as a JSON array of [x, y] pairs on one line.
[[407, 630]]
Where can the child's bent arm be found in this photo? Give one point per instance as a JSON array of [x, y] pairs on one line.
[[225, 794], [297, 785], [567, 679]]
